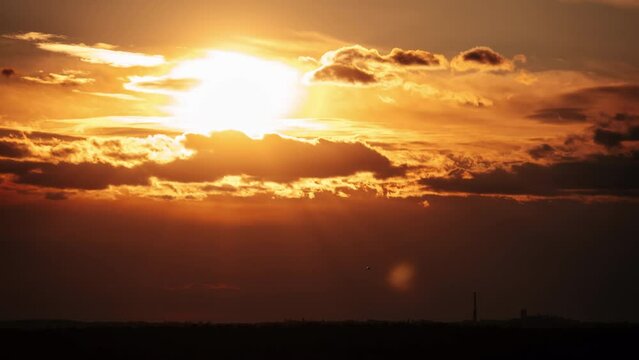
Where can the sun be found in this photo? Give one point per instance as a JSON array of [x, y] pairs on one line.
[[235, 91]]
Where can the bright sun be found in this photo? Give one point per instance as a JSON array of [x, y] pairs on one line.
[[235, 92]]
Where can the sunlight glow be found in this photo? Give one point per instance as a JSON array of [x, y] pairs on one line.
[[235, 92]]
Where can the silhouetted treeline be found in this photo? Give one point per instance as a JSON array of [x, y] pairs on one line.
[[535, 338]]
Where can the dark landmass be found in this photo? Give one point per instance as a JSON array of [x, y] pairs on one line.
[[532, 338]]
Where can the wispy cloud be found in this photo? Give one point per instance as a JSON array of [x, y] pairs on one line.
[[67, 78], [100, 53], [34, 36], [118, 96]]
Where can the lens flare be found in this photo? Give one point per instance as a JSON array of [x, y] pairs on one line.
[[401, 276]]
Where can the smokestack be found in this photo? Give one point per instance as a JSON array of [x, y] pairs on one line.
[[474, 306]]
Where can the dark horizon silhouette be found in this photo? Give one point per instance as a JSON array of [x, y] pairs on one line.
[[319, 179]]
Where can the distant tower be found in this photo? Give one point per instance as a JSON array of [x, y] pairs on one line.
[[474, 306], [524, 314]]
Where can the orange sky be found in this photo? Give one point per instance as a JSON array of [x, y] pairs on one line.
[[267, 153]]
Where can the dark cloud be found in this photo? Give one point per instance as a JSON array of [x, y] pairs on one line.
[[612, 131], [625, 117], [360, 56], [273, 158], [597, 175], [228, 153], [414, 57], [559, 115], [8, 72], [613, 139], [359, 65], [86, 176], [541, 151], [608, 138], [13, 150], [343, 73], [481, 58]]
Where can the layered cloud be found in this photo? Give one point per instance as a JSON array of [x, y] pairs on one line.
[[559, 115], [608, 111], [86, 176], [12, 149], [601, 158], [273, 158], [596, 175], [423, 124]]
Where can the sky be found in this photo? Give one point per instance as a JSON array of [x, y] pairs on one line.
[[260, 161]]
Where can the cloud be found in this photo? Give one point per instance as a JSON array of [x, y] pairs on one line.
[[343, 73], [102, 54], [99, 53], [34, 36], [608, 110], [483, 58], [613, 139], [36, 135], [526, 78], [625, 117], [559, 115], [8, 72], [86, 176], [118, 96], [159, 84], [541, 151], [67, 78], [415, 58], [13, 150], [458, 97], [357, 65], [273, 158], [595, 175]]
